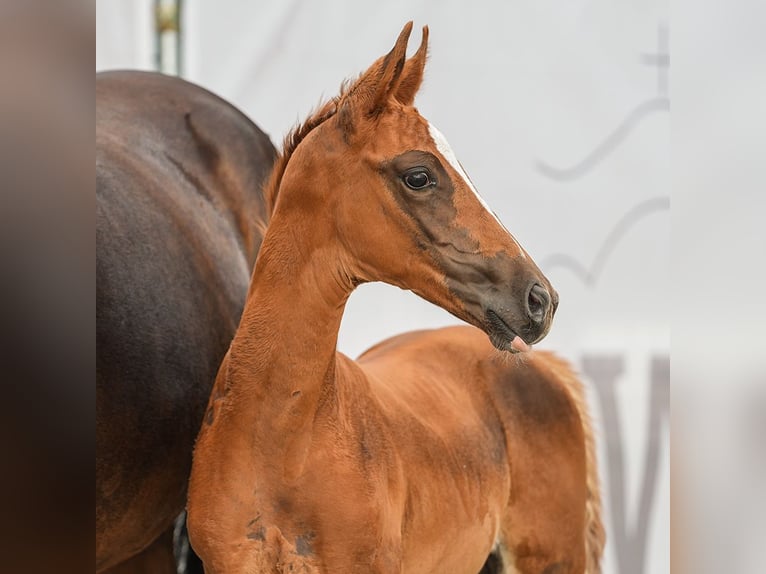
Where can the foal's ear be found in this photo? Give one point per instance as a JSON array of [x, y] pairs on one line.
[[412, 75], [371, 92]]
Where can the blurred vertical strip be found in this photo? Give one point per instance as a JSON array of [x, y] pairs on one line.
[[719, 280], [47, 284]]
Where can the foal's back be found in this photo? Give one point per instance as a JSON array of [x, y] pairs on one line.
[[506, 437]]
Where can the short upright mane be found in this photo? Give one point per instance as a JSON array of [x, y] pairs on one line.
[[294, 137]]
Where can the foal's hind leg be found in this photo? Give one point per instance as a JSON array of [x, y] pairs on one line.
[[546, 526], [544, 530], [544, 533]]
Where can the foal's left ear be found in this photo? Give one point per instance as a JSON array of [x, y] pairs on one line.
[[412, 75]]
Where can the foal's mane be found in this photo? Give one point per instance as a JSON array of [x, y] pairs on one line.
[[323, 112]]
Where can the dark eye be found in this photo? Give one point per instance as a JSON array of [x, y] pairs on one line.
[[418, 178]]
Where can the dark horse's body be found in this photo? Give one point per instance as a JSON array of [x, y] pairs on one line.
[[179, 220]]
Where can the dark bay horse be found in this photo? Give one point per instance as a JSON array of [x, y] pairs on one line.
[[456, 450], [180, 217]]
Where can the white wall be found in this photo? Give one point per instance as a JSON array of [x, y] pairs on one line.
[[559, 111]]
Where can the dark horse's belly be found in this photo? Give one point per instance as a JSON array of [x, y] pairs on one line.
[[179, 215]]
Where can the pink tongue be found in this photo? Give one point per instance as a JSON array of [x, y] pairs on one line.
[[519, 344]]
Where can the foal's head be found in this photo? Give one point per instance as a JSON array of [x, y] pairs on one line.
[[383, 187]]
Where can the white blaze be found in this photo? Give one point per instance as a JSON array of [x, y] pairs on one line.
[[446, 150]]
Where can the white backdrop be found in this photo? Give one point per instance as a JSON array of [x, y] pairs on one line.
[[559, 111]]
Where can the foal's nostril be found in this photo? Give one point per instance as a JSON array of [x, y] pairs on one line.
[[538, 301]]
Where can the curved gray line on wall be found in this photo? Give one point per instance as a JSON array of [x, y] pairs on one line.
[[590, 275], [609, 144]]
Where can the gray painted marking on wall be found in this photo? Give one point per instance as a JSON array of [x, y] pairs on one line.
[[630, 540], [610, 143], [589, 275], [660, 103], [660, 59]]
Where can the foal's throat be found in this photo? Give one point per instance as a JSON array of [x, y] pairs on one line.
[[283, 356]]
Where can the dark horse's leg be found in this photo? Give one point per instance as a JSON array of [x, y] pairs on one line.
[[170, 553], [194, 563], [158, 558], [494, 564]]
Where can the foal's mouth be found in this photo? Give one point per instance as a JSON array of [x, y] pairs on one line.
[[502, 336]]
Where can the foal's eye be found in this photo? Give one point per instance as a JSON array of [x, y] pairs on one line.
[[418, 178]]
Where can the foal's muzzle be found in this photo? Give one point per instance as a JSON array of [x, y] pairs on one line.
[[531, 321]]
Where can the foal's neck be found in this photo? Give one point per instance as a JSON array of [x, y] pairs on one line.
[[282, 360]]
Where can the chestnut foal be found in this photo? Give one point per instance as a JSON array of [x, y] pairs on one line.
[[433, 451]]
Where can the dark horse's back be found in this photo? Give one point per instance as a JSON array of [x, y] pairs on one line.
[[179, 220]]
